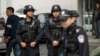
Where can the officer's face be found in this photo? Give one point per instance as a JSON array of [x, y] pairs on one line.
[[66, 23], [56, 13], [74, 18], [30, 13], [8, 12]]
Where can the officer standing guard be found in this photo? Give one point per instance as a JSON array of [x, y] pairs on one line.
[[53, 31], [28, 33], [75, 40]]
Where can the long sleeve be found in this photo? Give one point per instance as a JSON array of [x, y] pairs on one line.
[[11, 26], [40, 32], [8, 27], [83, 43], [18, 33], [14, 25]]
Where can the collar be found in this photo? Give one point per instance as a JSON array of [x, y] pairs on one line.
[[71, 28], [55, 20], [28, 22]]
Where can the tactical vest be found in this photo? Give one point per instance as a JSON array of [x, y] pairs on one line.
[[28, 31], [55, 29]]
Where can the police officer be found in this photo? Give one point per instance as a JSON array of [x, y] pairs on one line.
[[53, 31], [10, 32], [28, 33], [75, 40]]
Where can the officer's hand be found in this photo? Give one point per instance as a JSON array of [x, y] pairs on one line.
[[33, 44], [6, 40], [23, 44], [55, 43]]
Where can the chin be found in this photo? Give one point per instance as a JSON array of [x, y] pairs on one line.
[[64, 27]]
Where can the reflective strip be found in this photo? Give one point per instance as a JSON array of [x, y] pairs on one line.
[[9, 26]]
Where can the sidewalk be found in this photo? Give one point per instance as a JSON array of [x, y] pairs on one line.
[[94, 45]]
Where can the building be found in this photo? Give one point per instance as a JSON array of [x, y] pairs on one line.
[[84, 7]]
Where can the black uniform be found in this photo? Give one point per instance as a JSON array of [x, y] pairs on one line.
[[28, 32], [53, 33], [76, 41], [74, 38]]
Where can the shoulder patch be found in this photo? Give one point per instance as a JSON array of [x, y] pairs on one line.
[[81, 39]]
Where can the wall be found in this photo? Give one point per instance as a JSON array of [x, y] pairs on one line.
[[45, 5], [40, 5]]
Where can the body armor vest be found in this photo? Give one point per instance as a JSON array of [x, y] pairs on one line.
[[28, 31], [54, 28]]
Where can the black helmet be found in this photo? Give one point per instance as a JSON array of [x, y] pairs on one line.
[[56, 8], [75, 13], [65, 14], [28, 8]]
